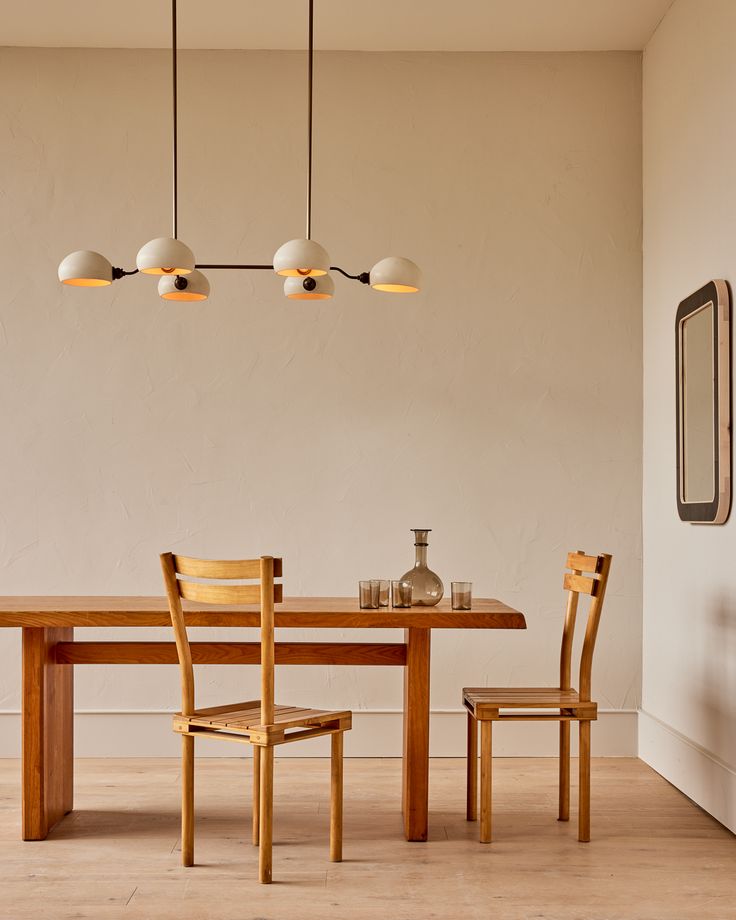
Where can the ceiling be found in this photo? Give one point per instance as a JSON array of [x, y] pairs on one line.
[[364, 25]]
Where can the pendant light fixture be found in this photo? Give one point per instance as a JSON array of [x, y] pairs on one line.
[[304, 263], [85, 269], [305, 258], [397, 276], [194, 286], [164, 255], [321, 287]]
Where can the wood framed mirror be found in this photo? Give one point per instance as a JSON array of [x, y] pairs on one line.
[[702, 357]]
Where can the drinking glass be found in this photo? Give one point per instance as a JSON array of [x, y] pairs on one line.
[[368, 592], [400, 594], [462, 595], [383, 587]]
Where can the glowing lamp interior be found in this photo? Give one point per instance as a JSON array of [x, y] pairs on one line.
[[396, 288], [309, 295], [166, 271], [183, 295], [301, 272], [87, 282]]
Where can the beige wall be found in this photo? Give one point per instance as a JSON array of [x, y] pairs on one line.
[[501, 407], [687, 726]]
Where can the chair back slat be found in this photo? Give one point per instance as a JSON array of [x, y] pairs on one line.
[[580, 584], [265, 593], [579, 563], [575, 583], [223, 594], [243, 569]]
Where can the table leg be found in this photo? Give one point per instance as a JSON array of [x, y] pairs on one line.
[[415, 787], [48, 731]]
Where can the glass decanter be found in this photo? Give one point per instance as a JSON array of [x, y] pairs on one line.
[[426, 587]]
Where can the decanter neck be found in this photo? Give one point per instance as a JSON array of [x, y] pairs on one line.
[[420, 547]]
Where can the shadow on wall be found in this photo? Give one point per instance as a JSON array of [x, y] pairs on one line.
[[716, 698]]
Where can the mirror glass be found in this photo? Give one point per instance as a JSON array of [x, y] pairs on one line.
[[698, 406]]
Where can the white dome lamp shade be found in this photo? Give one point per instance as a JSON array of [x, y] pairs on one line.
[[301, 259], [85, 268], [320, 288], [165, 256], [396, 275], [193, 286]]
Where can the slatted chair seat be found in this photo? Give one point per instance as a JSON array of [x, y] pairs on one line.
[[245, 719], [489, 702]]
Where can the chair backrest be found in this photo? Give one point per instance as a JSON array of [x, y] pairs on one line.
[[589, 575], [265, 593]]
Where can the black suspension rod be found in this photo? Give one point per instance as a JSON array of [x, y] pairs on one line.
[[309, 119], [175, 190]]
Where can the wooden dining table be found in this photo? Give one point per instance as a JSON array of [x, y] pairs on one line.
[[50, 653]]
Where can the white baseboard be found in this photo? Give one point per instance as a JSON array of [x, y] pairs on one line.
[[375, 733], [698, 773]]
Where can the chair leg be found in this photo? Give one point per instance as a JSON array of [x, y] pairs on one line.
[[266, 816], [472, 770], [256, 790], [584, 768], [564, 812], [187, 800], [486, 769], [336, 798]]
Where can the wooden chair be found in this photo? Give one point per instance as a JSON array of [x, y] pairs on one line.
[[560, 704], [258, 722]]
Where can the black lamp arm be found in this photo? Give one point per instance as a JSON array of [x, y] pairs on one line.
[[245, 267], [363, 277], [118, 273]]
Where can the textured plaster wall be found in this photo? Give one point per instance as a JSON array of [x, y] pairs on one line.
[[689, 576], [500, 407]]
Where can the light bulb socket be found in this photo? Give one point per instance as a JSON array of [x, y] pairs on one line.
[[309, 284], [181, 283]]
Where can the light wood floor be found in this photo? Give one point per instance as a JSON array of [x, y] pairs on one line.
[[654, 855]]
